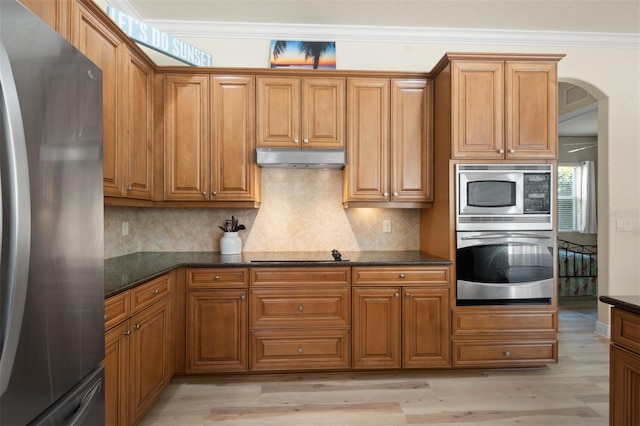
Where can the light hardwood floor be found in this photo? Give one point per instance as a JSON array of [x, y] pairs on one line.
[[573, 392]]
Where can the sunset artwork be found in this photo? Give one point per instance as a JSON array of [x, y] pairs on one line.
[[303, 54]]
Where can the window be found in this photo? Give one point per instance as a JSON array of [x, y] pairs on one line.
[[569, 197]]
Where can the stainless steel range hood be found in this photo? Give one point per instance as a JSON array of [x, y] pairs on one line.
[[301, 158]]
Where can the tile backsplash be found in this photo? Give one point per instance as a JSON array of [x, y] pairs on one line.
[[301, 210]]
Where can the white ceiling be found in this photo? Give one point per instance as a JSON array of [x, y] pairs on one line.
[[614, 16]]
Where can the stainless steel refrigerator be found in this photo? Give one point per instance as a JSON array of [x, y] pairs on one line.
[[52, 259]]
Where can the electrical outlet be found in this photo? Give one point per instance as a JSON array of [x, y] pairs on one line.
[[125, 228], [386, 226], [624, 225]]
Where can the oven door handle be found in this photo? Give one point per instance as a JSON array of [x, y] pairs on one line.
[[502, 235]]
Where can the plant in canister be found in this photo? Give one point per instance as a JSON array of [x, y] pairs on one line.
[[231, 243]]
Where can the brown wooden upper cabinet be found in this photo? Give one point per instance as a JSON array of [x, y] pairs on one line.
[[300, 111], [93, 38], [127, 95], [504, 109], [209, 138], [389, 142]]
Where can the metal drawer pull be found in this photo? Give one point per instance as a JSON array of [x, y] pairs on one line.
[[300, 308], [155, 291], [216, 278], [507, 354], [402, 276], [300, 350]]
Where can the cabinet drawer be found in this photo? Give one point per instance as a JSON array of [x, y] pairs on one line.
[[116, 309], [217, 278], [504, 353], [500, 322], [300, 276], [300, 308], [409, 275], [625, 329], [147, 294], [300, 349]]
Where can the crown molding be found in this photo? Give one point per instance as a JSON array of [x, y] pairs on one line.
[[382, 34], [376, 34]]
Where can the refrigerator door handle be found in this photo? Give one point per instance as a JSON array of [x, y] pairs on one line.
[[16, 204], [85, 406]]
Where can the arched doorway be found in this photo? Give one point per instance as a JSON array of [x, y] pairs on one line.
[[576, 146]]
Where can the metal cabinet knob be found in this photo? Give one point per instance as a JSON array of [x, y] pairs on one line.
[[242, 297], [155, 291], [126, 333], [216, 278], [300, 308], [137, 326], [105, 317], [501, 151], [204, 193], [305, 140], [129, 188], [386, 195], [407, 295], [507, 354], [396, 295], [402, 276], [511, 151], [296, 141], [214, 193], [395, 194], [300, 350]]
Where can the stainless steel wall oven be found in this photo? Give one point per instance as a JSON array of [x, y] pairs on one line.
[[504, 267]]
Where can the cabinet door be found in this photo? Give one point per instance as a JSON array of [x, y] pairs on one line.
[[376, 328], [116, 374], [149, 358], [625, 387], [323, 101], [531, 110], [137, 127], [278, 112], [367, 169], [217, 331], [186, 170], [233, 171], [53, 12], [477, 109], [425, 324], [104, 48], [411, 140]]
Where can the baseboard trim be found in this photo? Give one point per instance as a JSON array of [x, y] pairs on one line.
[[603, 329]]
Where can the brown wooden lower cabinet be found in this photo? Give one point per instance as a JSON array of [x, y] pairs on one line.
[[217, 306], [300, 319], [149, 357], [400, 317], [498, 353], [138, 341], [503, 336], [624, 392], [396, 327], [217, 331]]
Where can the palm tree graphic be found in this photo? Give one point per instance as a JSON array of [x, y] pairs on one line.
[[311, 49]]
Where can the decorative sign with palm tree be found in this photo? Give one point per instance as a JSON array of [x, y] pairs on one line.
[[303, 54]]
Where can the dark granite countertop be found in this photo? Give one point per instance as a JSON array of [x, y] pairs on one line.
[[628, 303], [128, 271]]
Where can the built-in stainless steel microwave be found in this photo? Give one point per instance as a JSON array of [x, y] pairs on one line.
[[504, 197]]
